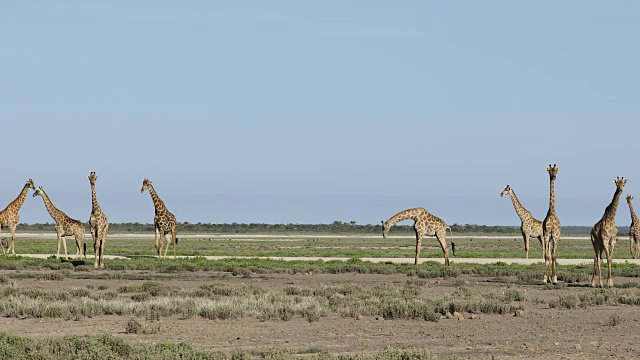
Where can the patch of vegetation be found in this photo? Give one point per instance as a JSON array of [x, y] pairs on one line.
[[54, 275], [595, 298], [152, 288], [221, 301], [463, 300], [614, 320], [111, 347]]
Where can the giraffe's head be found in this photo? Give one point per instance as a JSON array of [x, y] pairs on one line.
[[92, 178], [506, 191], [38, 191], [30, 184], [553, 171], [629, 198], [620, 183], [145, 185], [385, 229]]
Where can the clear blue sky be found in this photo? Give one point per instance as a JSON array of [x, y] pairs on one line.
[[310, 112]]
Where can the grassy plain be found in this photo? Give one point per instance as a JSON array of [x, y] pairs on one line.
[[575, 247]]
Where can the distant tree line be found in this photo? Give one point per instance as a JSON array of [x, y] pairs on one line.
[[337, 227]]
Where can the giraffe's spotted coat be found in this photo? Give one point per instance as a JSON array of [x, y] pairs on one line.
[[529, 227], [551, 230], [9, 217], [634, 231], [425, 224], [164, 221], [99, 224], [65, 226], [605, 234]]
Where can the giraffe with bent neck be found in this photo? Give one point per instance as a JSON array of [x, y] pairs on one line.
[[634, 231], [530, 227], [551, 230], [65, 226], [9, 216], [99, 224], [424, 224], [605, 234], [164, 221]]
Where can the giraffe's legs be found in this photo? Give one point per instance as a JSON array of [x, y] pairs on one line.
[[4, 251], [158, 242], [59, 240], [168, 241], [418, 245], [609, 262], [631, 243], [595, 269], [102, 243], [547, 256], [600, 268], [554, 275], [174, 237], [525, 236], [540, 239], [597, 248], [442, 239], [62, 240], [79, 248], [12, 247], [95, 234], [608, 250]]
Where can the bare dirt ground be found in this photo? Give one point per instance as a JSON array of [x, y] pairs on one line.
[[542, 332]]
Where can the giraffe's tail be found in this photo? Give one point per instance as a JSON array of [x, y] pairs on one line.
[[450, 232]]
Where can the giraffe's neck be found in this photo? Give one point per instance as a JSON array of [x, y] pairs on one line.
[[53, 211], [157, 202], [94, 200], [552, 198], [634, 218], [17, 203], [403, 215], [520, 210], [610, 211]]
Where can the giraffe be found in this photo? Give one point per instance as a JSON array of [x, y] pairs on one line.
[[604, 235], [551, 230], [9, 216], [530, 227], [164, 221], [65, 226], [424, 224], [634, 231], [99, 224]]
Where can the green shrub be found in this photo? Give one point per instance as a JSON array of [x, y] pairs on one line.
[[133, 327], [55, 276], [312, 312], [220, 312], [513, 295], [614, 320], [284, 313], [140, 297], [298, 290], [240, 271]]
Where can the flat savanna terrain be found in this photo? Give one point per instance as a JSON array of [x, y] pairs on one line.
[[144, 307]]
